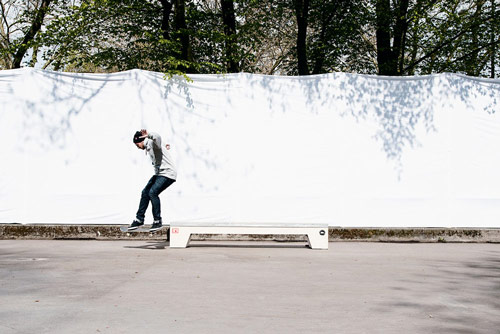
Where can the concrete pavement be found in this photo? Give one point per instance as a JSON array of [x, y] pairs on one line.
[[130, 286]]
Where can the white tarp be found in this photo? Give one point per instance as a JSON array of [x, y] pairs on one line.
[[342, 149]]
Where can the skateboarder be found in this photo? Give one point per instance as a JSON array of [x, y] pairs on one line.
[[165, 175]]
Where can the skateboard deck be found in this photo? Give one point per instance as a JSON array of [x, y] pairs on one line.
[[143, 228]]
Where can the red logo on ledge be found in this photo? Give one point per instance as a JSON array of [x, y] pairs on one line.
[[175, 230]]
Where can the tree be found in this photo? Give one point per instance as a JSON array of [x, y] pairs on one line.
[[434, 36], [391, 24], [114, 35], [494, 29], [335, 38], [166, 11], [302, 12], [20, 23], [267, 36], [35, 27], [288, 37], [182, 35], [175, 36], [229, 22]]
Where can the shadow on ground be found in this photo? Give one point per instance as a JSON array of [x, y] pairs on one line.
[[463, 296]]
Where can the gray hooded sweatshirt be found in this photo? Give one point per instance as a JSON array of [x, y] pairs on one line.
[[160, 157]]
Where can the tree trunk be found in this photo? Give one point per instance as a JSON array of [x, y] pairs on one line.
[[301, 12], [34, 57], [181, 30], [471, 67], [36, 25], [387, 65], [229, 21], [398, 47], [319, 52], [415, 36], [166, 11], [493, 44]]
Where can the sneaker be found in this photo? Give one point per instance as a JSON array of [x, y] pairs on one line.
[[156, 226], [135, 224]]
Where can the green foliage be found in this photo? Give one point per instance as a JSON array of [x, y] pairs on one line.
[[111, 34], [115, 35], [335, 31], [456, 36]]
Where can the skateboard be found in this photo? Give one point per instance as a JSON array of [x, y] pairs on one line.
[[143, 228]]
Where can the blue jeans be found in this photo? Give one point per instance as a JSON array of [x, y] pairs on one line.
[[150, 193]]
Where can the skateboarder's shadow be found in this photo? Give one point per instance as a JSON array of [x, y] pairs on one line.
[[152, 245]]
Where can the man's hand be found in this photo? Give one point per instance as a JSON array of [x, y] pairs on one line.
[[144, 133]]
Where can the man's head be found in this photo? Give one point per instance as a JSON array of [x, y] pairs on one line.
[[138, 141]]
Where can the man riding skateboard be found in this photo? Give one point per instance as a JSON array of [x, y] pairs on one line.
[[165, 175]]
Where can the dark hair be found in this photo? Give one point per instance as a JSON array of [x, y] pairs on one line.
[[137, 137]]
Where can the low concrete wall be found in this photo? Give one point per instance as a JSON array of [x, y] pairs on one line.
[[415, 234], [112, 232]]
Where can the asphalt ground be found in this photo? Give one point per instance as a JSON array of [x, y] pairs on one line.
[[130, 286]]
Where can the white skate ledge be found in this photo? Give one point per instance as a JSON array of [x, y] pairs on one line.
[[180, 233]]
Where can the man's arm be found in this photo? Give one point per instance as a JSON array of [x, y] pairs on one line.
[[154, 136]]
